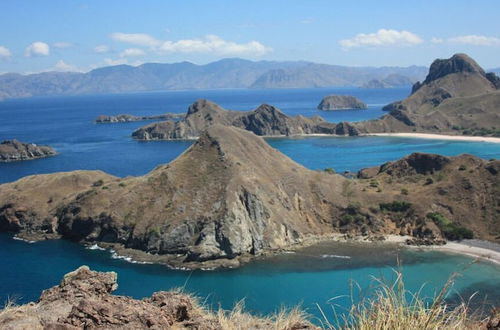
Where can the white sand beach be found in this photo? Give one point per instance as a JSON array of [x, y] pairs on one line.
[[441, 137], [485, 251]]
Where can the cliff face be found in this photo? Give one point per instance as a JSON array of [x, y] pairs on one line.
[[266, 120], [341, 102], [13, 150], [230, 197], [457, 97]]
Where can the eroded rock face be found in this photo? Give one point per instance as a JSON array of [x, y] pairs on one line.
[[13, 150], [266, 120], [341, 102]]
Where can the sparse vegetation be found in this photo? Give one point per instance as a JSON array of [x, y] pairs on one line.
[[404, 191], [396, 206], [373, 183], [449, 229], [462, 168], [122, 184], [428, 181]]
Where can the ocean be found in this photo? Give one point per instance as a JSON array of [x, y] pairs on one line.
[[309, 277]]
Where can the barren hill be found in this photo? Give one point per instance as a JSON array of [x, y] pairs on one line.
[[231, 197]]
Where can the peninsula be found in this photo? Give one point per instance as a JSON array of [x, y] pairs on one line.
[[125, 118], [231, 197], [13, 150]]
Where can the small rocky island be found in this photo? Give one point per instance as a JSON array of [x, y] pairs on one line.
[[341, 102], [125, 118], [13, 150]]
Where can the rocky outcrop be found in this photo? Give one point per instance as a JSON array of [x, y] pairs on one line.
[[13, 150], [231, 197], [341, 102], [84, 300], [125, 118], [266, 120], [457, 97]]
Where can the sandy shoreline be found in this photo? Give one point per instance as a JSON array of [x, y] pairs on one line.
[[440, 137], [465, 249]]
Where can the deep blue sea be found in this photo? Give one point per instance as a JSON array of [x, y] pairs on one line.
[[306, 278]]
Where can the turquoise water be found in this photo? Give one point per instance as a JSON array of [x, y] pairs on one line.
[[306, 277]]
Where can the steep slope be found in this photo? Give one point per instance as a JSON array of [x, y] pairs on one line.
[[231, 197], [457, 97], [266, 120]]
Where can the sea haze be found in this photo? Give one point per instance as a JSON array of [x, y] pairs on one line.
[[66, 123]]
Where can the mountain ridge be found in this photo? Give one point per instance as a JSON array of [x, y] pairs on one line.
[[225, 73]]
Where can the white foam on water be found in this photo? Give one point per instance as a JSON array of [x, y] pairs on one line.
[[334, 256]]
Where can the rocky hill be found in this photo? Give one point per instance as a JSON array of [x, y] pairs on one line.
[[266, 120], [84, 300], [226, 73], [341, 102], [231, 197], [13, 150], [457, 97]]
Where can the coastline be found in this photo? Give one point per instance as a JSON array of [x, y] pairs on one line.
[[489, 139]]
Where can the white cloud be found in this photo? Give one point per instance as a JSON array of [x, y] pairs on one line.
[[435, 40], [62, 44], [37, 48], [215, 45], [4, 52], [132, 52], [120, 61], [139, 39], [65, 67], [382, 38], [210, 44], [475, 40], [102, 49]]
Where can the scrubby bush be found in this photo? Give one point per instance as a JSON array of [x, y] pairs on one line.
[[396, 206], [404, 191], [98, 183], [449, 229], [329, 170]]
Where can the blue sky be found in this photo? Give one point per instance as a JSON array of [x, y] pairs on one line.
[[80, 35]]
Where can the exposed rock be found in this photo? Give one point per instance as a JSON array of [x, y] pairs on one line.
[[341, 102], [13, 150], [84, 300], [457, 97], [266, 120], [124, 118], [231, 197]]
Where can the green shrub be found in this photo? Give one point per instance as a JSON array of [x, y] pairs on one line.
[[404, 191], [98, 183], [462, 168], [122, 184], [396, 206], [449, 229], [373, 183], [329, 170], [428, 181]]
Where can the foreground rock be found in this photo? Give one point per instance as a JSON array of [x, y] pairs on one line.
[[266, 120], [84, 300], [457, 97], [231, 197], [13, 150], [125, 118], [341, 102]]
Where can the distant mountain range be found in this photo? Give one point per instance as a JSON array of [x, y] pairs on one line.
[[226, 73]]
